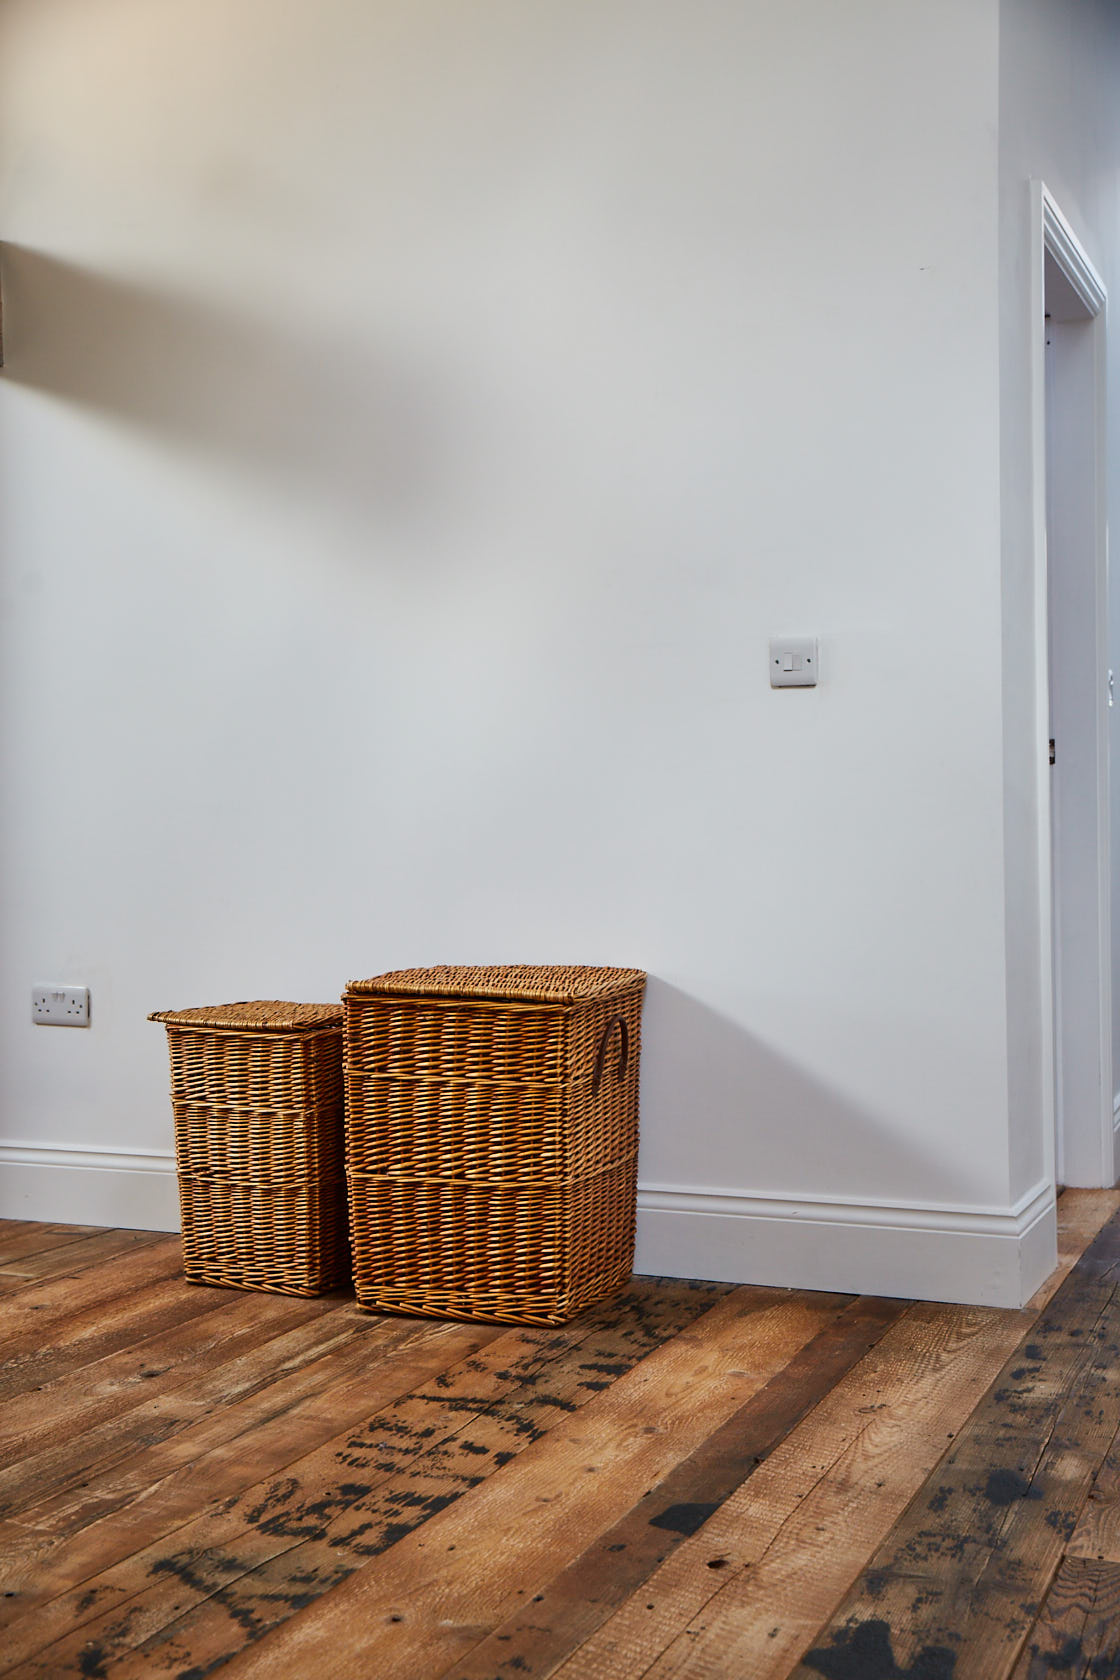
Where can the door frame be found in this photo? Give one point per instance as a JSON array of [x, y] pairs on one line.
[[1086, 1152]]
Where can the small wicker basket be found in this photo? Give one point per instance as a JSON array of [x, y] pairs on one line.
[[257, 1094], [491, 1139]]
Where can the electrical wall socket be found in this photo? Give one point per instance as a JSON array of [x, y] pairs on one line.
[[60, 1006]]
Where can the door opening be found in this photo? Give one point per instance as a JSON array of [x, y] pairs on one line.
[[1078, 694]]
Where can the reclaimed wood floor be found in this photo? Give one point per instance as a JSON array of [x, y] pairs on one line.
[[691, 1483]]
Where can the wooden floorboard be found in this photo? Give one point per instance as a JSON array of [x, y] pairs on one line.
[[35, 1238], [64, 1428], [21, 1236], [689, 1483], [957, 1583], [791, 1539], [66, 1259], [240, 1568], [574, 1604]]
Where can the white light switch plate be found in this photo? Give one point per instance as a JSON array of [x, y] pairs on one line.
[[794, 662], [60, 1006]]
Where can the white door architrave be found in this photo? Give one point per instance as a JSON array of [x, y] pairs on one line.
[[1071, 582]]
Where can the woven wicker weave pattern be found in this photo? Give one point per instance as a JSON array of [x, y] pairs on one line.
[[259, 1145], [518, 982], [515, 1253], [423, 1039], [284, 1239], [491, 1145], [428, 1129], [256, 1070], [255, 1147], [262, 1015]]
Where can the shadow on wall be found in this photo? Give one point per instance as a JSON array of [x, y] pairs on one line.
[[745, 1118], [318, 413]]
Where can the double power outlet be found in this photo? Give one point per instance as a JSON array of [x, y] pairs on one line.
[[60, 1006]]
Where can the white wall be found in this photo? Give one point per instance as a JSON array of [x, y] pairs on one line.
[[417, 417], [1059, 120]]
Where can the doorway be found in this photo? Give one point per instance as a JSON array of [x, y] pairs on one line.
[[1071, 425]]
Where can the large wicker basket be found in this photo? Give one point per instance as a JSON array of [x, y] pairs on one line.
[[257, 1094], [491, 1139]]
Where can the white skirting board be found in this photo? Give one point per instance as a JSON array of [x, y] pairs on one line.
[[132, 1189], [994, 1257]]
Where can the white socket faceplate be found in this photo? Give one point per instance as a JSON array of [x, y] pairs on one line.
[[794, 662], [60, 1006]]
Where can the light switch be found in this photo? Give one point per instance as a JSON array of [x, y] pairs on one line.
[[794, 662]]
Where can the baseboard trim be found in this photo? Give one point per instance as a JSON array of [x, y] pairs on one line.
[[986, 1256], [132, 1188], [929, 1251], [926, 1216]]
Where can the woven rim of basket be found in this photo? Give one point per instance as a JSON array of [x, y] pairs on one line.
[[261, 1015], [529, 981]]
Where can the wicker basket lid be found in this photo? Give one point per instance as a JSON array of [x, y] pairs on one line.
[[260, 1016], [528, 981]]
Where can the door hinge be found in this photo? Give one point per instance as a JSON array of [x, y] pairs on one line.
[[1053, 758]]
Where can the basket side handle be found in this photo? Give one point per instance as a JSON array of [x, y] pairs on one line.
[[604, 1046]]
